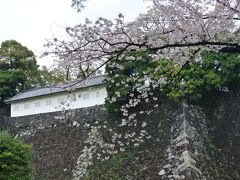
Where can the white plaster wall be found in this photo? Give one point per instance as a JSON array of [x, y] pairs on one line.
[[52, 103]]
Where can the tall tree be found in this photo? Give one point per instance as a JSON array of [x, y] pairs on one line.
[[50, 76], [11, 82], [175, 30], [178, 31], [15, 56], [18, 69], [189, 24]]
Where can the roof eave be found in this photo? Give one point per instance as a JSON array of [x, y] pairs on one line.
[[9, 101]]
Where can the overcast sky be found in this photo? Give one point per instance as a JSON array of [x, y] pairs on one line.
[[30, 22]]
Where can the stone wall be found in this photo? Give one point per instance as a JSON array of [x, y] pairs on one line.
[[56, 138], [201, 140], [186, 152], [223, 120], [4, 114]]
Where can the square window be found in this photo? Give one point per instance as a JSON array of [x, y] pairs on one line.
[[16, 108], [97, 94], [86, 96], [61, 101], [26, 106], [103, 93], [37, 104], [48, 102]]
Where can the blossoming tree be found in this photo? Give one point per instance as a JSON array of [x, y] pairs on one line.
[[174, 30], [178, 29]]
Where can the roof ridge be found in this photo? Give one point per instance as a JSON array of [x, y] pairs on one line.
[[27, 90], [78, 84], [90, 77], [56, 85], [78, 81]]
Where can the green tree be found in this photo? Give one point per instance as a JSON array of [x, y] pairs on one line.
[[214, 71], [15, 159], [17, 56], [50, 76], [13, 56], [11, 82], [18, 69], [121, 82]]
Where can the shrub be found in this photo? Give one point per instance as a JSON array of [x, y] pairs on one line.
[[15, 159]]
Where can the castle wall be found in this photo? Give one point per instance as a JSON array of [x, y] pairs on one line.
[[190, 132], [56, 139]]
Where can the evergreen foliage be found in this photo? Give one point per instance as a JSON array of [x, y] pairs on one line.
[[15, 56], [123, 75], [19, 71], [10, 83], [213, 71], [15, 159], [50, 76]]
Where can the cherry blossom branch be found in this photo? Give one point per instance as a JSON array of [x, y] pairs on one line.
[[229, 6], [202, 43], [170, 29]]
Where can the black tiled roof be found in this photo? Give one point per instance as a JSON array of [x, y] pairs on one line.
[[78, 84]]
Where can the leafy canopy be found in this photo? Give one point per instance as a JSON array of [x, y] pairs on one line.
[[212, 72], [19, 70], [11, 82], [124, 76], [13, 55], [128, 76]]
